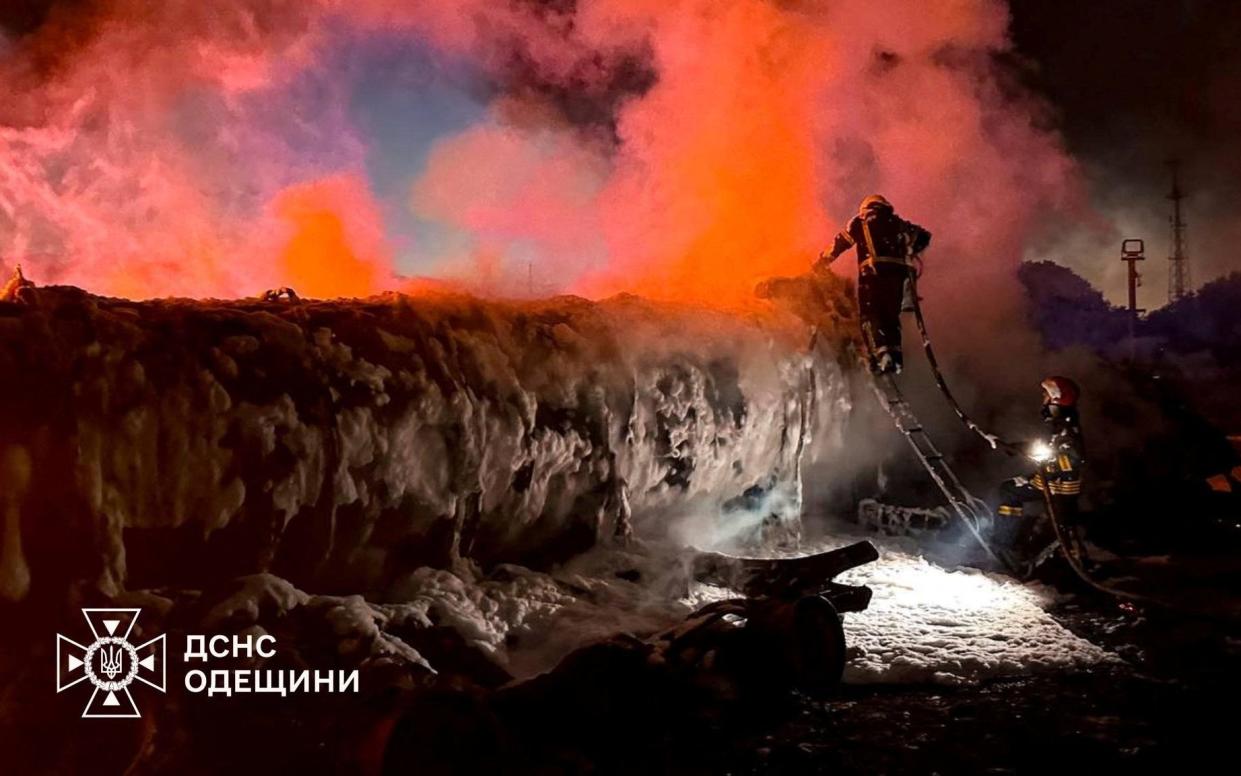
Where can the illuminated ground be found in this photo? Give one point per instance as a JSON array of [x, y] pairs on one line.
[[957, 671], [954, 671], [926, 623], [1171, 707]]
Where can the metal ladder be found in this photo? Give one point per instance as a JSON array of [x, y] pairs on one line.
[[972, 510]]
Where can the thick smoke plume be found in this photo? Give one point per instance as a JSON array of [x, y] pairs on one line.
[[678, 149], [146, 146]]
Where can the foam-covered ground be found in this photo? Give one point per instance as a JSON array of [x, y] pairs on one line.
[[930, 624], [925, 624]]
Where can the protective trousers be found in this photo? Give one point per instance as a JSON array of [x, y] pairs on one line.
[[881, 290]]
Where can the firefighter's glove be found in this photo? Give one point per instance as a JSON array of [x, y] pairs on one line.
[[823, 265]]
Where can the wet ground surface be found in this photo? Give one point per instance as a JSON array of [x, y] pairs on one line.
[[1171, 707], [1102, 722]]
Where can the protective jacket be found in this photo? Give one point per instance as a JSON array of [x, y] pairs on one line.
[[1061, 474], [881, 237], [885, 244]]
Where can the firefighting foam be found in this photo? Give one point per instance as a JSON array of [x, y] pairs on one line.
[[679, 150]]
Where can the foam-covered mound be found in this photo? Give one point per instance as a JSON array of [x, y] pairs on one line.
[[341, 444], [926, 624]]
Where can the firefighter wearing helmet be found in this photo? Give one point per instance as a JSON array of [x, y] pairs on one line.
[[886, 246], [1060, 457]]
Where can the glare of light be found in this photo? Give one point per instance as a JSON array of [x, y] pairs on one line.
[[904, 585], [947, 591], [1040, 451]]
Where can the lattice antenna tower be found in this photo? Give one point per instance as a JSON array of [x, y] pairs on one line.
[[1178, 263]]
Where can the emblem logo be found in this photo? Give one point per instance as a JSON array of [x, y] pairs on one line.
[[111, 663]]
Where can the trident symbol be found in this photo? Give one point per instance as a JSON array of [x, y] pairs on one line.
[[110, 660], [119, 663]]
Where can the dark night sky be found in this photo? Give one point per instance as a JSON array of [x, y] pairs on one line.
[[1133, 82], [1145, 72]]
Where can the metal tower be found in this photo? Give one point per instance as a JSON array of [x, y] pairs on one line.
[[1131, 252], [1178, 262]]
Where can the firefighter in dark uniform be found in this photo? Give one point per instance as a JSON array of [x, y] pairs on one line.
[[1060, 459], [886, 245]]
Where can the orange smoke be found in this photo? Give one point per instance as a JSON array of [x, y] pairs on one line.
[[765, 125], [335, 246], [140, 161], [719, 181]]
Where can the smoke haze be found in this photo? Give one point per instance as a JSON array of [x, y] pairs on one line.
[[680, 150]]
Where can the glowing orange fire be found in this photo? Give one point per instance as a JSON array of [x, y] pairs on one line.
[[764, 125], [326, 255]]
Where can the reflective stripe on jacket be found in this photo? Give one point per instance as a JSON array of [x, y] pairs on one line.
[[881, 237]]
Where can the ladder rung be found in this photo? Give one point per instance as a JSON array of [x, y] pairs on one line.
[[932, 459]]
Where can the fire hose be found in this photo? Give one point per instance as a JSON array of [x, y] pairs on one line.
[[1075, 565], [1071, 556], [997, 443], [991, 439]]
